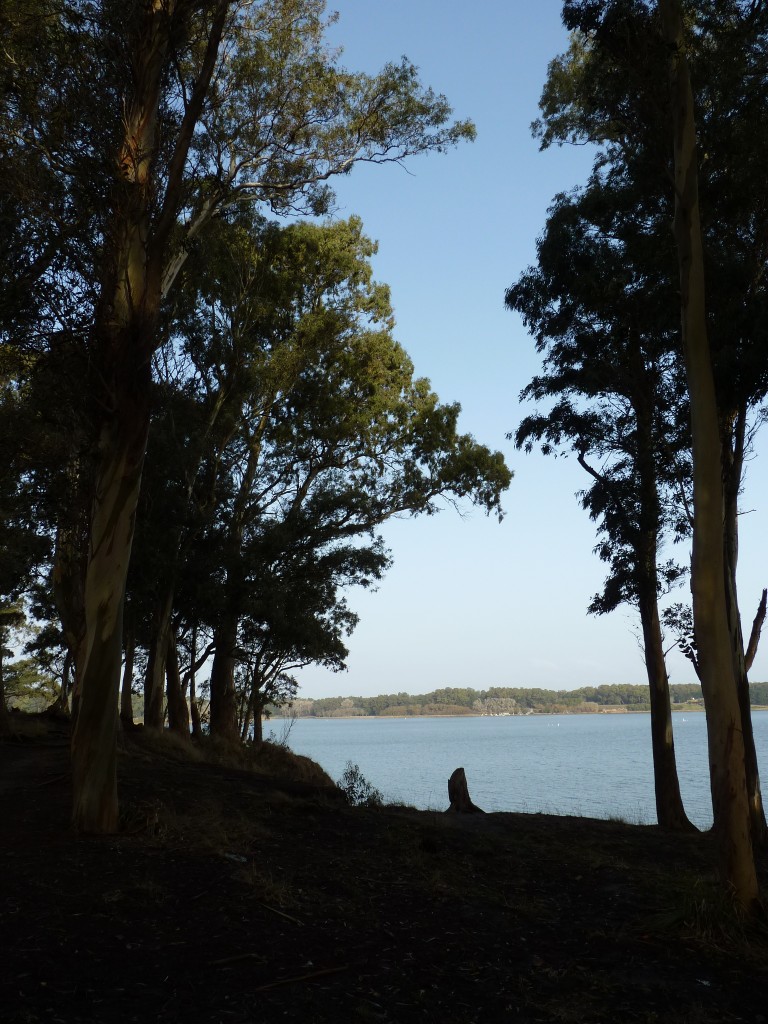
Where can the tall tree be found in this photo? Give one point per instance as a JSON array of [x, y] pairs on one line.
[[193, 106], [708, 569], [595, 303], [324, 435], [619, 99]]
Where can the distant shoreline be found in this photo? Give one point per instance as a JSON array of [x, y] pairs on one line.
[[501, 701], [474, 714]]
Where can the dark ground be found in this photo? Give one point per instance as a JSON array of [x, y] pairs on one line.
[[234, 897]]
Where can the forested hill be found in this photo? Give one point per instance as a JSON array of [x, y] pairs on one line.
[[504, 700]]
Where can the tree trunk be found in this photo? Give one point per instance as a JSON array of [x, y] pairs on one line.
[[754, 793], [5, 718], [733, 443], [122, 343], [223, 698], [246, 717], [94, 741], [61, 705], [711, 627], [145, 205], [154, 712], [458, 794], [190, 676], [757, 628], [670, 812], [178, 713], [70, 568], [258, 725], [194, 711], [126, 691]]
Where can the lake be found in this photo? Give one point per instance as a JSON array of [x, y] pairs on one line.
[[592, 765]]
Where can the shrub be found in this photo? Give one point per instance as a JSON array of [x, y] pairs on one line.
[[358, 790]]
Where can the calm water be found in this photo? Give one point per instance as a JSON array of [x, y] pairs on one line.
[[592, 765]]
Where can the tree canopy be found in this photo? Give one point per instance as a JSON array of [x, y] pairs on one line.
[[657, 389], [134, 137]]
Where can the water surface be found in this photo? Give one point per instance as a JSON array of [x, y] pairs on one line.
[[593, 765]]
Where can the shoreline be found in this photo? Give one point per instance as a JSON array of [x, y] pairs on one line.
[[474, 714]]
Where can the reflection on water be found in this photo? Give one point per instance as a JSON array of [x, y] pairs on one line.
[[593, 765]]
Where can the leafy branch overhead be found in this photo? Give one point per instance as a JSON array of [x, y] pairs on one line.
[[297, 430], [603, 304]]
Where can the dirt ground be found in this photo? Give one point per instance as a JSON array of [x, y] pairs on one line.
[[238, 897]]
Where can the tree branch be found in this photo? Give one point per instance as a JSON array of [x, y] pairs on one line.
[[754, 636], [192, 115]]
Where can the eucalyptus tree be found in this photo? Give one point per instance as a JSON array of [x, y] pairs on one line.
[[712, 622], [47, 176], [184, 108], [300, 621], [174, 505], [731, 113], [613, 90], [24, 543], [29, 479], [598, 304], [322, 435]]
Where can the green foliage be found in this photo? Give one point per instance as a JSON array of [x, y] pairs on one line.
[[602, 307], [279, 118], [611, 89], [494, 700], [358, 790], [252, 107], [27, 687], [758, 694], [505, 700], [291, 428], [25, 542], [677, 619]]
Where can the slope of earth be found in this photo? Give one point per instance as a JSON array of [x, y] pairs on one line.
[[234, 896]]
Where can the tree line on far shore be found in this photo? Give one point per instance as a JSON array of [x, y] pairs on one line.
[[502, 700]]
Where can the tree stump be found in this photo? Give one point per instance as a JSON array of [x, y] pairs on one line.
[[458, 794]]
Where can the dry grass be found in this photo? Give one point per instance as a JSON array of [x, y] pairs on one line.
[[268, 759]]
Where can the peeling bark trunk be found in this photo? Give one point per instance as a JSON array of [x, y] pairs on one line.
[[178, 713], [752, 771], [670, 812], [69, 572], [61, 705], [223, 698], [190, 676], [733, 433], [194, 711], [258, 725], [754, 793], [126, 693], [94, 742], [79, 669], [247, 715], [154, 712], [711, 626], [145, 204], [122, 344], [757, 628]]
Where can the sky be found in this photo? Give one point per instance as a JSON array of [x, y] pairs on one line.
[[469, 601]]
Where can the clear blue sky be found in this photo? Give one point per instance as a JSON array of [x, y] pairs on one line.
[[470, 602]]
